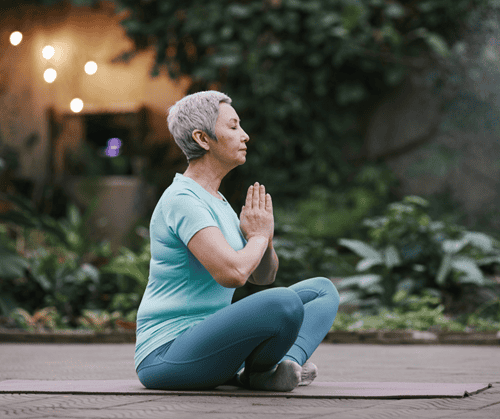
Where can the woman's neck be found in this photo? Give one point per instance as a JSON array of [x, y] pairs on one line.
[[205, 175]]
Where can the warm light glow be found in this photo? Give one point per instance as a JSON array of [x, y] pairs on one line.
[[90, 67], [16, 38], [48, 52], [50, 75], [76, 105]]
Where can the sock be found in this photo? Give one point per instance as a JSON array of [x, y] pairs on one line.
[[285, 377], [309, 373]]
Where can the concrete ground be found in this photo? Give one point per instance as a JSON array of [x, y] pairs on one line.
[[336, 362]]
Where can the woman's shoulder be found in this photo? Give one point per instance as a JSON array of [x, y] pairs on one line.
[[179, 191], [181, 197]]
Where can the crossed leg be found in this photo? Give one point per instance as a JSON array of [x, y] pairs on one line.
[[271, 327]]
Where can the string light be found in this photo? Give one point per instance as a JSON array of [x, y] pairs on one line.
[[76, 105], [90, 67], [16, 38], [48, 52], [50, 75]]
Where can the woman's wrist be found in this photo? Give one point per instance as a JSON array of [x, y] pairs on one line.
[[259, 239]]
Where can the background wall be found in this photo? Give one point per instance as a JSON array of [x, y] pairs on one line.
[[78, 35]]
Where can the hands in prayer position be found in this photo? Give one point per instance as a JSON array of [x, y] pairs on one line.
[[256, 218]]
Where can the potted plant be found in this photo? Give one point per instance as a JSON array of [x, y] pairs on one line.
[[111, 183]]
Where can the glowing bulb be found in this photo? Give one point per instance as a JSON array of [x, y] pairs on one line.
[[48, 52], [50, 75], [90, 67], [16, 38], [76, 105]]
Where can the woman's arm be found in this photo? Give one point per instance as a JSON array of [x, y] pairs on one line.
[[265, 273], [231, 268]]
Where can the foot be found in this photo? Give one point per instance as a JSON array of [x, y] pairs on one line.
[[309, 373], [285, 377]]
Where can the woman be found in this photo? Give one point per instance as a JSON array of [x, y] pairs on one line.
[[189, 335]]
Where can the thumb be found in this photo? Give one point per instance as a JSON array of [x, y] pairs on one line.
[[269, 203]]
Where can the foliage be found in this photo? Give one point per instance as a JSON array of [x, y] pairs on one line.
[[303, 74], [411, 312], [302, 258], [406, 249], [329, 213], [130, 272], [66, 269], [98, 321], [47, 319], [53, 275]]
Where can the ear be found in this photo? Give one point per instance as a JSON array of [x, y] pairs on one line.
[[201, 138]]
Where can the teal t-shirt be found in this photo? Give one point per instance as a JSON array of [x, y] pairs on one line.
[[180, 291]]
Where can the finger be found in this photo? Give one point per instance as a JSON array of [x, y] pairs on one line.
[[248, 201], [255, 199], [269, 203], [262, 197]]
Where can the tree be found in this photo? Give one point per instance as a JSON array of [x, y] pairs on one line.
[[303, 74]]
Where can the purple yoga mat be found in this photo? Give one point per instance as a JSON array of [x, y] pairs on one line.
[[315, 390]]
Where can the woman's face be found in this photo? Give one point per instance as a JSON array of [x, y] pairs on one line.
[[230, 147]]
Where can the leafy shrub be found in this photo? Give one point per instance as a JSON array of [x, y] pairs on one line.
[[66, 269], [53, 272], [97, 320], [330, 212], [412, 312], [47, 319], [306, 230], [129, 273], [407, 250]]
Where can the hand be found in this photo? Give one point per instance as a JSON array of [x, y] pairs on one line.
[[256, 218]]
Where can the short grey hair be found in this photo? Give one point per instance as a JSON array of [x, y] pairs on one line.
[[197, 111]]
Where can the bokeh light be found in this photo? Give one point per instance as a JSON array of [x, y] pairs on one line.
[[90, 67], [16, 38], [113, 149], [48, 52], [76, 105], [50, 75]]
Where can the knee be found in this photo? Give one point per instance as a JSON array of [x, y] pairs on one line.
[[286, 305], [328, 290]]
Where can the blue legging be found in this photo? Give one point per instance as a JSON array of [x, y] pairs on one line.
[[256, 332]]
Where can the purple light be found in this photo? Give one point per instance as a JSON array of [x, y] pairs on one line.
[[113, 149]]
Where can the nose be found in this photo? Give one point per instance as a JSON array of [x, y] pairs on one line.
[[245, 137]]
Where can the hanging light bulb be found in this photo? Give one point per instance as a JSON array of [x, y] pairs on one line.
[[76, 105], [50, 75], [16, 38], [48, 52], [90, 67]]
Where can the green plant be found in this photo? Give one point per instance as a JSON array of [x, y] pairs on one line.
[[412, 312], [407, 250], [46, 319], [67, 284], [130, 272], [55, 272], [98, 321], [329, 213], [56, 263], [301, 258], [352, 52]]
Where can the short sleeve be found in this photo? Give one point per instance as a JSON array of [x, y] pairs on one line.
[[186, 215]]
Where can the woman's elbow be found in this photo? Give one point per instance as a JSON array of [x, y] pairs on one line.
[[232, 279]]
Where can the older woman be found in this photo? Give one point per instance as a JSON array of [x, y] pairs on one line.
[[189, 335]]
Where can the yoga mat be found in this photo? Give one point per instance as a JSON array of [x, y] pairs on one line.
[[333, 390]]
